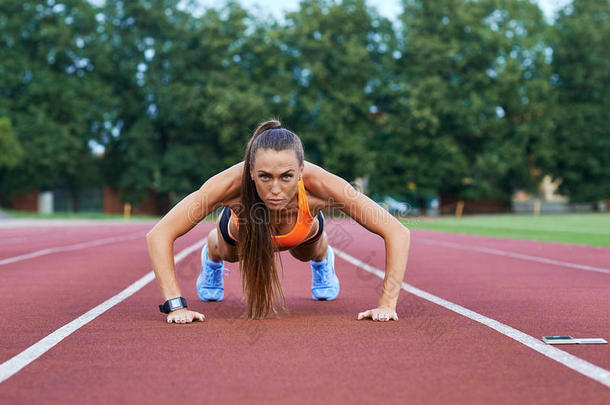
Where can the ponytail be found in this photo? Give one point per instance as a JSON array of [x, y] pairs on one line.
[[262, 288]]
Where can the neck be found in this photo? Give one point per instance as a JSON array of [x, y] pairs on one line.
[[287, 212]]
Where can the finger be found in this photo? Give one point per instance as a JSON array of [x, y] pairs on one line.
[[364, 314], [395, 316], [200, 317], [169, 320]]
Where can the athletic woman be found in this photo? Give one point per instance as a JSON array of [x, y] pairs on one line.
[[272, 201]]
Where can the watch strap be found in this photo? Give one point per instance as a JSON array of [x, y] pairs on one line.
[[173, 304]]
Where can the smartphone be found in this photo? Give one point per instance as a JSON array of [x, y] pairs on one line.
[[559, 340]]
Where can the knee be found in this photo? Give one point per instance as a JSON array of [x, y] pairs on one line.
[[213, 239], [220, 249], [231, 259], [213, 245], [299, 256], [321, 253]]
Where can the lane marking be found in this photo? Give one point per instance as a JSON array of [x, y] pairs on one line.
[[527, 228], [575, 363], [16, 363], [82, 245], [506, 253], [14, 223]]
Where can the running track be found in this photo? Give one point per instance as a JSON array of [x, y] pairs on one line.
[[319, 353]]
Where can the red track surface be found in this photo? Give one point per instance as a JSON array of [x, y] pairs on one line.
[[317, 353]]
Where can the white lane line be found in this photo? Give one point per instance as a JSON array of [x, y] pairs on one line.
[[528, 228], [506, 253], [575, 363], [66, 248], [16, 363]]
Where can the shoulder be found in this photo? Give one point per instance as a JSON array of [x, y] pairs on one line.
[[323, 184], [312, 177], [225, 187], [333, 191]]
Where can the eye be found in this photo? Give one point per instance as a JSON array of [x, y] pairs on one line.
[[288, 176], [263, 176]]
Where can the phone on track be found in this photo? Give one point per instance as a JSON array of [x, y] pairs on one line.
[[563, 340], [556, 340]]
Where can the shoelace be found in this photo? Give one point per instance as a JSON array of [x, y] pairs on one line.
[[214, 276], [321, 273]]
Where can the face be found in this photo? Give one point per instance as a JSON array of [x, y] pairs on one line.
[[276, 175]]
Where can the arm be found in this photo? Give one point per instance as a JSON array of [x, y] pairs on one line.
[[370, 215], [182, 218]]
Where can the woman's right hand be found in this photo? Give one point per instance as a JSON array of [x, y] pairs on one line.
[[183, 315]]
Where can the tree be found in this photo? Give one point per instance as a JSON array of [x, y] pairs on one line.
[[10, 149], [332, 49], [465, 107], [186, 97], [581, 62], [50, 93]]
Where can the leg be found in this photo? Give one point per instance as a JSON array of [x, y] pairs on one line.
[[210, 283], [218, 248], [314, 251], [324, 282]]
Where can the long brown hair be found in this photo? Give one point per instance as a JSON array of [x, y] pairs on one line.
[[261, 285]]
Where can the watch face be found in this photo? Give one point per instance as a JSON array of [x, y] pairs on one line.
[[175, 303]]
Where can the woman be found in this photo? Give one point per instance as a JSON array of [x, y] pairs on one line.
[[274, 199]]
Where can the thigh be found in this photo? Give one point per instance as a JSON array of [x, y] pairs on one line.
[[309, 251], [226, 250]]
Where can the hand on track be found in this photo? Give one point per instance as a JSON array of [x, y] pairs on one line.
[[379, 314], [183, 315]]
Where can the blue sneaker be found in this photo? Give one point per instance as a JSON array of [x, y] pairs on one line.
[[210, 284], [324, 284]]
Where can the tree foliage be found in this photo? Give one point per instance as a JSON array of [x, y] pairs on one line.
[[10, 149], [473, 99], [49, 92], [581, 64], [468, 99]]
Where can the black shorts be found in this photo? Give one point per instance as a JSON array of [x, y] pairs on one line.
[[226, 217]]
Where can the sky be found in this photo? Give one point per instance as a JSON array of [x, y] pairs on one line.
[[387, 8]]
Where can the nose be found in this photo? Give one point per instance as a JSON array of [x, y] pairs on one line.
[[276, 188]]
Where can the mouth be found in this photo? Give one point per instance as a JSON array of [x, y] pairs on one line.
[[275, 201]]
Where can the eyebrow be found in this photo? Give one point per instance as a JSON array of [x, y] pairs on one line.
[[287, 171]]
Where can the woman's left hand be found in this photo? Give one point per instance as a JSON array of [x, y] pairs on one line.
[[379, 314]]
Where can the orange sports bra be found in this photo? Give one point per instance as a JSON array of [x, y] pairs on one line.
[[301, 228]]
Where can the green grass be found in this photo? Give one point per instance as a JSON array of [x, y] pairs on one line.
[[585, 229], [72, 215]]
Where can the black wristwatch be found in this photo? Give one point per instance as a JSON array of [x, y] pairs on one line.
[[172, 304]]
